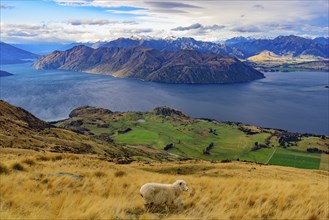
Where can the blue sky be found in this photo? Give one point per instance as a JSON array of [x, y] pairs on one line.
[[211, 20]]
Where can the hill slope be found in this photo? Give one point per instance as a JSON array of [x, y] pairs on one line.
[[184, 66], [10, 54], [82, 187], [175, 132], [20, 129]]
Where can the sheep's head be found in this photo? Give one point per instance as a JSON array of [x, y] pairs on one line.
[[182, 185]]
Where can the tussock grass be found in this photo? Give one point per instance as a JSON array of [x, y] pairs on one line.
[[29, 161], [119, 173], [18, 167], [226, 191], [42, 158], [99, 174], [3, 169]]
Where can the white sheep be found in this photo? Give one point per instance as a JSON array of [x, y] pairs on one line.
[[157, 194]]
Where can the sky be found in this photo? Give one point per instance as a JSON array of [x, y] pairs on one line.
[[26, 21]]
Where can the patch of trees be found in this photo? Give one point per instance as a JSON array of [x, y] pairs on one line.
[[104, 137], [248, 131], [287, 139], [213, 131], [169, 146], [206, 151], [124, 131], [316, 150], [258, 146]]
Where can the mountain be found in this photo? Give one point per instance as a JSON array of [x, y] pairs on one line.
[[183, 66], [265, 56], [175, 44], [4, 73], [284, 45], [236, 40], [321, 40], [10, 54], [269, 61]]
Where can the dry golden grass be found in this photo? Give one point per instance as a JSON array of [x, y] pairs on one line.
[[83, 187]]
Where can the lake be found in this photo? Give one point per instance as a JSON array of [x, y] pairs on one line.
[[295, 101]]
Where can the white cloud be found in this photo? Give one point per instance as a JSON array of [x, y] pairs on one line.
[[202, 19]]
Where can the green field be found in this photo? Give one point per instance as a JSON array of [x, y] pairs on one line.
[[296, 158]]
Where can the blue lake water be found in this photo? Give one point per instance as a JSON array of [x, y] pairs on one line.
[[296, 101]]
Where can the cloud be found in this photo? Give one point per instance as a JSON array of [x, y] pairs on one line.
[[259, 6], [170, 5], [191, 27], [77, 22], [246, 28], [3, 6], [198, 26]]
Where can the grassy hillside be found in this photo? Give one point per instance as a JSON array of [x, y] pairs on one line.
[[20, 129], [269, 61], [71, 186], [175, 132]]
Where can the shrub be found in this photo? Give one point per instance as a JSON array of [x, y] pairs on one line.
[[18, 167], [3, 169], [43, 158], [29, 162], [99, 174], [57, 157], [119, 173]]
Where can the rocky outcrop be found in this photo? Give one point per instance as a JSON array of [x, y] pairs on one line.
[[87, 111], [167, 111]]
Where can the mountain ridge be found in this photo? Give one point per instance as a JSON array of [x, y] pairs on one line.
[[183, 66]]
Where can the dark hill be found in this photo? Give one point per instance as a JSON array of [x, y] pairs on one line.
[[4, 73], [184, 66], [10, 54]]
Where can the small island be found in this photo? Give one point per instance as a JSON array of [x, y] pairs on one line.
[[4, 73]]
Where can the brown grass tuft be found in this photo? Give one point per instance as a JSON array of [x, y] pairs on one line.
[[119, 173], [3, 169], [99, 174], [57, 157], [29, 161], [42, 158], [18, 167]]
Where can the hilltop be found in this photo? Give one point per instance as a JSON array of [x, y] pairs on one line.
[[183, 66]]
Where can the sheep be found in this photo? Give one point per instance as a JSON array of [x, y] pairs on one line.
[[157, 194]]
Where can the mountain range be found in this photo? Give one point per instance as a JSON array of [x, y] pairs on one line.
[[10, 54], [284, 45], [183, 66], [239, 47]]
